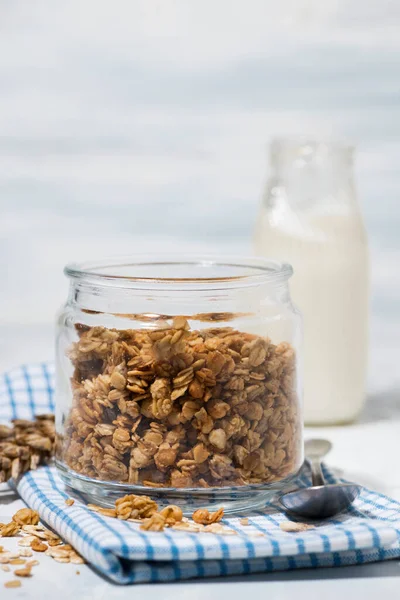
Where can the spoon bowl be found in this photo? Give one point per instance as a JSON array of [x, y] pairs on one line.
[[320, 502]]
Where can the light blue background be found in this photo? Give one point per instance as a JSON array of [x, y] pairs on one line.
[[143, 125]]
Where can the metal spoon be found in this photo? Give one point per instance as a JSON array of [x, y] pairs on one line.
[[321, 500]]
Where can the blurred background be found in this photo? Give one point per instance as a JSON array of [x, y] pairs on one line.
[[143, 125]]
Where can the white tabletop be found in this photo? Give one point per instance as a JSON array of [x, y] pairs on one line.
[[367, 452]]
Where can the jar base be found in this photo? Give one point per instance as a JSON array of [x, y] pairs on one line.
[[234, 500]]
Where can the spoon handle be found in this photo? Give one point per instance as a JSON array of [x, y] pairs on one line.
[[316, 473]]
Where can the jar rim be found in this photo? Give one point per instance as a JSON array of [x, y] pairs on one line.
[[246, 271]]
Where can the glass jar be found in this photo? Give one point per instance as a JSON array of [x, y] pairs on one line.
[[310, 217], [179, 379]]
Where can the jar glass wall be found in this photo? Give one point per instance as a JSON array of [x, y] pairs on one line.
[[180, 379]]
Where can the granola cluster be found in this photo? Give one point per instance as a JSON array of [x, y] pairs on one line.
[[144, 510], [25, 445], [175, 407]]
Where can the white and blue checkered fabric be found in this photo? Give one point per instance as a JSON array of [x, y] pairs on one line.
[[369, 532]]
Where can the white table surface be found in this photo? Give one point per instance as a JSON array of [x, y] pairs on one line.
[[368, 452]]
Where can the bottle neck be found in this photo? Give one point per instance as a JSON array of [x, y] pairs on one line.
[[311, 176]]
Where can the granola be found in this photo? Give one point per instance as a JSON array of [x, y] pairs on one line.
[[9, 530], [25, 445], [175, 407], [204, 517], [26, 516]]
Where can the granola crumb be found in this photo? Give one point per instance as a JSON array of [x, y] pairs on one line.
[[172, 514], [294, 526], [204, 517], [5, 568], [107, 512], [32, 563], [14, 583], [25, 572], [69, 501], [78, 572], [38, 546], [155, 523], [244, 521]]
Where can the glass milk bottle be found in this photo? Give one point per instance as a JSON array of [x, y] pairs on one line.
[[311, 219]]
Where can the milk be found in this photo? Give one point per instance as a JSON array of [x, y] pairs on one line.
[[325, 241]]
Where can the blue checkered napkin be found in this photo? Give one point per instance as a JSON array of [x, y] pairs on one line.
[[125, 554]]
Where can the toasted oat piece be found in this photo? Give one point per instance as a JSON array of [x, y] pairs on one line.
[[244, 522], [107, 512], [190, 527], [25, 572], [17, 561], [69, 501], [38, 546], [76, 559], [294, 526], [219, 529], [26, 541], [14, 583]]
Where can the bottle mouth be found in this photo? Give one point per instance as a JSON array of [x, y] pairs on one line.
[[174, 272], [307, 149]]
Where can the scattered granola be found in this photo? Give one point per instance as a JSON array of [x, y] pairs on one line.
[[294, 526], [69, 501], [25, 445], [169, 516], [5, 568], [205, 518], [175, 407], [244, 521]]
